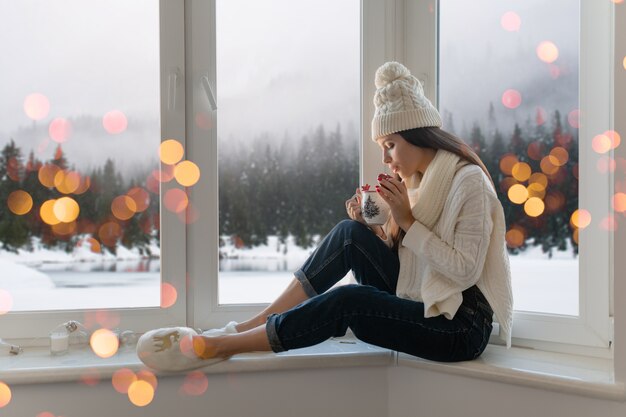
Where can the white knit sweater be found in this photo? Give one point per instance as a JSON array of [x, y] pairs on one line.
[[465, 247]]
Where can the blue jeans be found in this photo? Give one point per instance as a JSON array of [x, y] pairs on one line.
[[371, 309]]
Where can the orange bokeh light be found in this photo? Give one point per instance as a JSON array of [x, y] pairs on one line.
[[20, 202], [122, 379], [45, 414], [164, 175], [187, 173], [149, 377], [547, 52], [538, 178], [60, 130], [511, 99], [176, 200], [140, 393], [521, 171], [514, 237], [619, 202], [534, 207], [109, 233], [606, 164], [67, 182], [507, 162], [5, 394], [47, 173], [141, 198], [36, 106], [536, 190], [168, 295], [511, 21], [46, 212], [66, 209], [64, 229], [123, 207], [614, 137], [608, 223], [547, 165], [104, 343], [518, 194], [195, 384], [580, 218], [601, 144], [560, 156], [171, 151], [6, 301], [114, 122], [83, 186]]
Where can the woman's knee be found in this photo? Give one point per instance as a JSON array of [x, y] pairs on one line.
[[351, 228]]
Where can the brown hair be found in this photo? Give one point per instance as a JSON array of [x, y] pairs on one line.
[[435, 138]]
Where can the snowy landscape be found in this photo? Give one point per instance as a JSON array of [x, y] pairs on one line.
[[51, 280]]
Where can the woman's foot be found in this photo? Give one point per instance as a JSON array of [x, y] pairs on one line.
[[206, 347]]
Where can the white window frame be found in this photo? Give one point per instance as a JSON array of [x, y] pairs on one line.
[[31, 328], [590, 332], [407, 31]]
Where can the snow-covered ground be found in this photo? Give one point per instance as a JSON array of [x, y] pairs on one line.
[[44, 279]]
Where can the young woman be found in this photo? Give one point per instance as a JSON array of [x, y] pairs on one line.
[[429, 280]]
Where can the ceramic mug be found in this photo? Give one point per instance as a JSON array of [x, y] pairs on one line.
[[374, 209]]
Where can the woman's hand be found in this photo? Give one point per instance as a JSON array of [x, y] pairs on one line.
[[353, 207], [395, 194]]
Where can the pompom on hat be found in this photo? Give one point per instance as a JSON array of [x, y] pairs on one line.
[[400, 102]]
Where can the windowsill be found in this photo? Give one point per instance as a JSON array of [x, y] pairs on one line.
[[572, 374], [36, 365]]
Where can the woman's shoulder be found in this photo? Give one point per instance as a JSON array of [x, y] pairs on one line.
[[471, 180]]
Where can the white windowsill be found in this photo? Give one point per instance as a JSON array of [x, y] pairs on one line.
[[565, 373], [571, 374]]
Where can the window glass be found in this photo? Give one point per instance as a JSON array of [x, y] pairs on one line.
[[509, 86], [79, 140], [288, 78]]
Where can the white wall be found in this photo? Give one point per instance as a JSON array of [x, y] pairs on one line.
[[348, 392]]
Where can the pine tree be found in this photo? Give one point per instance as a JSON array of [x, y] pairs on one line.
[[14, 231]]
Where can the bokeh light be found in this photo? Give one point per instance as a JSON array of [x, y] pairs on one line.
[[104, 343], [536, 190], [141, 198], [195, 384], [511, 99], [601, 144], [547, 165], [168, 295], [624, 62], [573, 118], [580, 218], [60, 130], [123, 207], [535, 150], [507, 183], [560, 156], [507, 162], [149, 377], [122, 379], [534, 207], [83, 186], [547, 52], [66, 209], [20, 202], [140, 393], [46, 212], [90, 377], [187, 173], [511, 22], [518, 194], [539, 178], [67, 182], [94, 245], [608, 223], [5, 395], [45, 414], [36, 106], [164, 175], [540, 116], [515, 237], [203, 120], [176, 200], [47, 174], [619, 202], [171, 151], [521, 171], [64, 229], [109, 233], [114, 122], [555, 201], [614, 137], [6, 301], [606, 164]]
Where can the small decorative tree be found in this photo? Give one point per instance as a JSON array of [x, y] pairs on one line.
[[370, 209]]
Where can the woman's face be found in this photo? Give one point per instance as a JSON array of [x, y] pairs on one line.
[[404, 158]]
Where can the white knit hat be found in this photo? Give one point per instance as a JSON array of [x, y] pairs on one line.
[[400, 102]]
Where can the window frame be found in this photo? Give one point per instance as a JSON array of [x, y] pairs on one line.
[[408, 32], [31, 327], [590, 332]]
